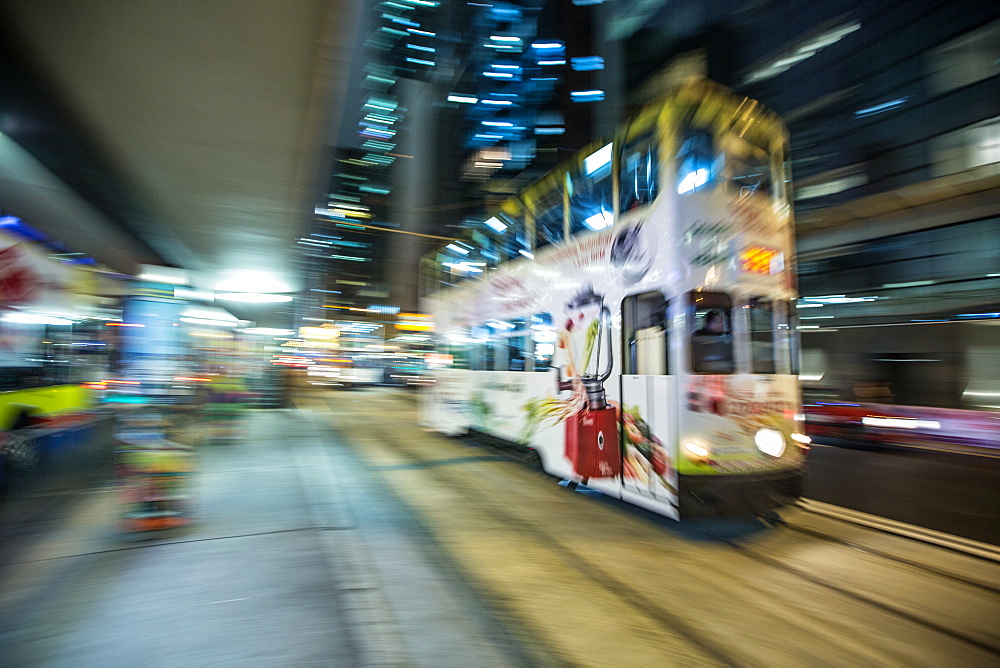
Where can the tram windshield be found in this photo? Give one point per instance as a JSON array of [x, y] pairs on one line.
[[748, 166]]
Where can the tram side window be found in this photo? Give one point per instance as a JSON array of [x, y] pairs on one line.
[[710, 315], [508, 231], [498, 353], [640, 167], [645, 327], [457, 347], [761, 334], [482, 354], [788, 331], [695, 161], [543, 341], [590, 201], [549, 218], [517, 346]]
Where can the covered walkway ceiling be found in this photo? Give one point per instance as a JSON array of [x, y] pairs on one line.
[[187, 133]]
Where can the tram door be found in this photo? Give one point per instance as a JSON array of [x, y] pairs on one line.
[[649, 397]]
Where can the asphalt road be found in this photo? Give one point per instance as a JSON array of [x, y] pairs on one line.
[[953, 492], [338, 532]]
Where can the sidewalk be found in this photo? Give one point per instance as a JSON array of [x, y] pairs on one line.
[[297, 556]]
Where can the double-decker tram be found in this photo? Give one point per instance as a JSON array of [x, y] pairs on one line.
[[629, 316]]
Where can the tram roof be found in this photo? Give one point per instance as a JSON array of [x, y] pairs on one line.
[[709, 105]]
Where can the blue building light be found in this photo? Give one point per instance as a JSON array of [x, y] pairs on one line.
[[586, 95], [879, 108], [587, 63]]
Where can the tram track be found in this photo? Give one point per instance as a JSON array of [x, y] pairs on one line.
[[604, 579], [792, 609], [819, 535], [992, 648]]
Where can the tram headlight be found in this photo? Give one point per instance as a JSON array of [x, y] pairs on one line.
[[770, 442], [696, 450], [801, 439]]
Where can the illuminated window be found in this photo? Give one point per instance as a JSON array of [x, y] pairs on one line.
[[710, 318], [640, 170]]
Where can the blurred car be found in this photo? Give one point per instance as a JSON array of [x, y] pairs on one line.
[[889, 424], [322, 374]]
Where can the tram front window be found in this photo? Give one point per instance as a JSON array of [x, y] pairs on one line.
[[712, 336], [749, 168]]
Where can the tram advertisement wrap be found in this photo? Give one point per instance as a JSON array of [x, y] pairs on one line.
[[723, 417]]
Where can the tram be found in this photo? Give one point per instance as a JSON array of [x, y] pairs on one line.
[[629, 318]]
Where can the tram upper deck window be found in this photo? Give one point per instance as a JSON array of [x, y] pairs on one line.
[[645, 328], [549, 217], [640, 168], [712, 334], [507, 230], [696, 161], [591, 192], [762, 323], [543, 341]]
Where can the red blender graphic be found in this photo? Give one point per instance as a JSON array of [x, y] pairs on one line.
[[592, 430]]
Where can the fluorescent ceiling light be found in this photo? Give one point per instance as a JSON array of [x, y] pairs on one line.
[[209, 321], [457, 249], [910, 284], [169, 275], [252, 281], [526, 254], [463, 99], [269, 331], [35, 319], [461, 266]]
